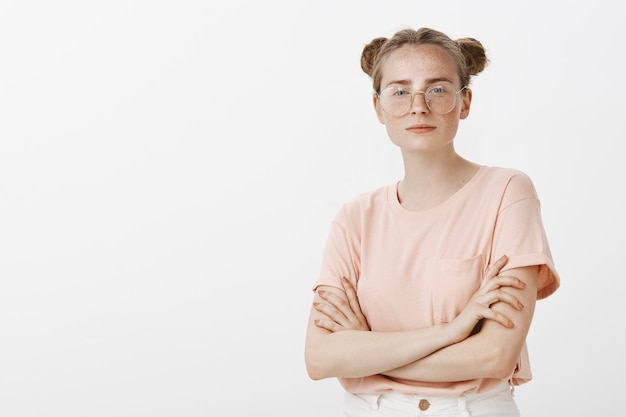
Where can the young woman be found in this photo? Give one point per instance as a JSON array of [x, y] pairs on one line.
[[428, 286]]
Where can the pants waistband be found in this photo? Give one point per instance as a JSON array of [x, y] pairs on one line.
[[430, 405]]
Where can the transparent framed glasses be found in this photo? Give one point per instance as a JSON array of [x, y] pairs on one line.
[[440, 99]]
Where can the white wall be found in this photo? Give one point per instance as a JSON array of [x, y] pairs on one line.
[[168, 172]]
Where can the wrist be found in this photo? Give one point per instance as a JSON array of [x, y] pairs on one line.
[[453, 333]]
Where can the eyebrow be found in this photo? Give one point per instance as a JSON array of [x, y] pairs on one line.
[[428, 81]]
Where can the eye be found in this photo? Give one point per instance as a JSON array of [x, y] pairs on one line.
[[400, 92], [437, 90]]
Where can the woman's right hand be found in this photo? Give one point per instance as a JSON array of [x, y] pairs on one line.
[[490, 292]]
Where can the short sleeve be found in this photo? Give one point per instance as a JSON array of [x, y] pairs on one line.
[[340, 256], [520, 235]]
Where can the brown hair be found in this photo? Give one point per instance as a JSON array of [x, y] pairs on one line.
[[467, 52]]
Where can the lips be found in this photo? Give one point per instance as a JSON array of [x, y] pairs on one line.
[[421, 128]]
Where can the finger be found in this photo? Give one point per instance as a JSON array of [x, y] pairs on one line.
[[347, 315], [331, 326], [498, 295], [353, 301], [498, 317], [504, 281], [495, 268], [505, 297], [340, 303], [510, 281], [331, 313]]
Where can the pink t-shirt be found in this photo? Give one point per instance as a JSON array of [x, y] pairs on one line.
[[417, 268]]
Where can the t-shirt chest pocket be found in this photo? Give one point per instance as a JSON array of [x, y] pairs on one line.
[[456, 281]]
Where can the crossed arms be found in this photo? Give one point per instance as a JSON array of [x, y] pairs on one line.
[[339, 342]]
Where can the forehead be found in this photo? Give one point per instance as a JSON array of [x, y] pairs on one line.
[[417, 63]]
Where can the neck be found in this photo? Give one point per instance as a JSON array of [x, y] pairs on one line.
[[431, 179]]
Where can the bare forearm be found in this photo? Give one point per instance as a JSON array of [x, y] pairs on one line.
[[354, 353], [469, 359]]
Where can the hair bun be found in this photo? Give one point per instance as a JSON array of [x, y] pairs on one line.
[[475, 56], [370, 52]]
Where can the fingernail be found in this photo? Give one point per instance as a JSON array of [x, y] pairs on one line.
[[503, 257]]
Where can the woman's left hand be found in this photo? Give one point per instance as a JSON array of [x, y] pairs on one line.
[[342, 313]]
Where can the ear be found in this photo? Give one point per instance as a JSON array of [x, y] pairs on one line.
[[466, 104], [378, 109]]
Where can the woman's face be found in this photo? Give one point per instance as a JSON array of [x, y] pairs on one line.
[[416, 68]]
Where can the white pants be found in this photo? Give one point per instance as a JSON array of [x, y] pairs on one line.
[[498, 402]]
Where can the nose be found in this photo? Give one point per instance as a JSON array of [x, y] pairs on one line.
[[418, 103]]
